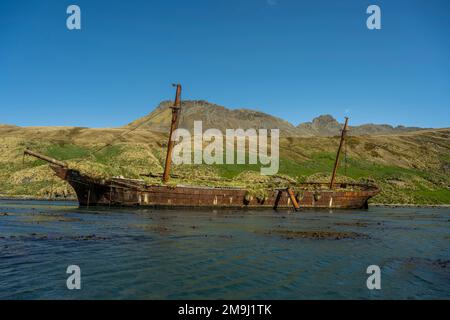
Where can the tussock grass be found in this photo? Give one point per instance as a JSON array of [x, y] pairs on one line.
[[409, 168]]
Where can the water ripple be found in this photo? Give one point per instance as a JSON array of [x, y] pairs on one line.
[[169, 254]]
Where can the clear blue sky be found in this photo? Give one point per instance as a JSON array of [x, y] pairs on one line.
[[290, 58]]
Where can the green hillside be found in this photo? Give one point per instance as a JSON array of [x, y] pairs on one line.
[[411, 168]]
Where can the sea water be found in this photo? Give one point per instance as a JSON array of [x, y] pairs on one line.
[[221, 254]]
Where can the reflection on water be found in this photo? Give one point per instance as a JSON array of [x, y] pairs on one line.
[[176, 254]]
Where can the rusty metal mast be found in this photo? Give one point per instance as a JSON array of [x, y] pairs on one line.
[[175, 111], [336, 162]]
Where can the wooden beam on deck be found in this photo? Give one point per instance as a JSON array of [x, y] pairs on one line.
[[292, 197], [277, 200]]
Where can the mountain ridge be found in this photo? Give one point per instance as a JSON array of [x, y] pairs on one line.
[[219, 117]]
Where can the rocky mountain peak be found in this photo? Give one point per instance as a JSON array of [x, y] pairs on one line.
[[325, 118]]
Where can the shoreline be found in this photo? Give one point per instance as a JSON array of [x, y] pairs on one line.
[[385, 205], [31, 198], [408, 205]]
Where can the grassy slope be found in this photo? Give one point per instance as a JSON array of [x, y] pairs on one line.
[[412, 168]]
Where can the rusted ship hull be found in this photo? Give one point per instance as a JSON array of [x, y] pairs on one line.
[[126, 192]]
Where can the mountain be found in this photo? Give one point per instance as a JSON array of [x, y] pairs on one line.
[[212, 116], [222, 118], [411, 165], [326, 125]]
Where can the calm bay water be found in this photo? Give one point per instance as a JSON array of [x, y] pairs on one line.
[[176, 254]]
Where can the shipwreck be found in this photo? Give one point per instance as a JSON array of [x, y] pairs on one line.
[[118, 191]]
